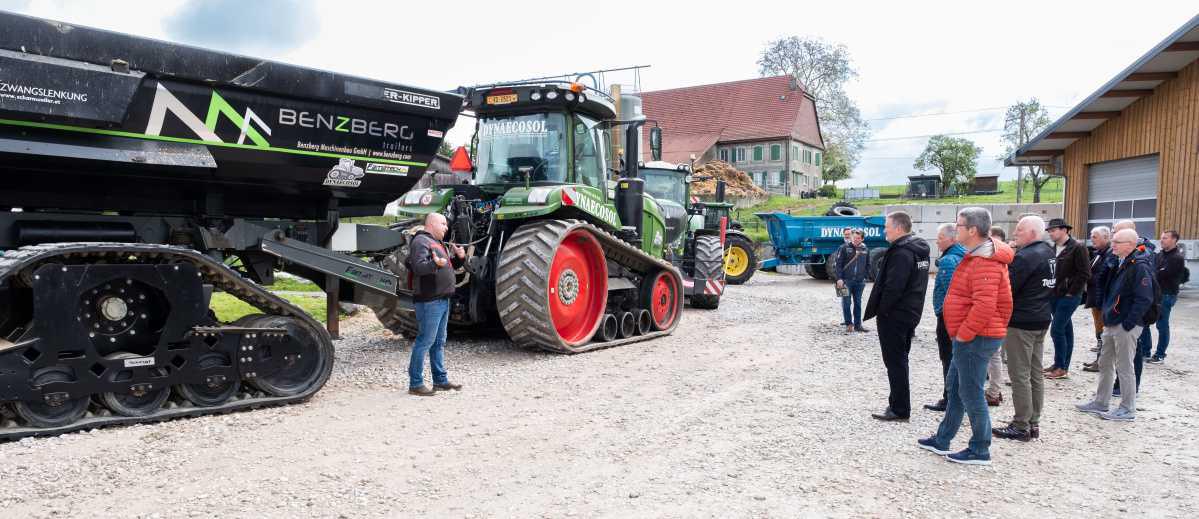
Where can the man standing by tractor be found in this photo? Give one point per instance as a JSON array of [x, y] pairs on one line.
[[853, 262], [432, 270], [898, 300]]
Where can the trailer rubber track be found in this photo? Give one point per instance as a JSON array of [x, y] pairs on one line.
[[14, 262], [524, 268]]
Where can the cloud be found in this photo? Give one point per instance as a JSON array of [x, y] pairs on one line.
[[259, 27], [16, 6], [985, 120]]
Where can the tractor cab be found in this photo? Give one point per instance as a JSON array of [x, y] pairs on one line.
[[540, 135], [668, 184]]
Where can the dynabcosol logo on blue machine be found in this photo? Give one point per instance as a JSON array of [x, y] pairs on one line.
[[838, 232]]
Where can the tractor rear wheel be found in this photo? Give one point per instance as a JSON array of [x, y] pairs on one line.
[[819, 271], [709, 265], [739, 259], [552, 285]]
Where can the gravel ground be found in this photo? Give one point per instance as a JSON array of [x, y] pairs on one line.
[[759, 409]]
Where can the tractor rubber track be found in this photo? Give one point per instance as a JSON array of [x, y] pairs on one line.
[[14, 262], [524, 269]]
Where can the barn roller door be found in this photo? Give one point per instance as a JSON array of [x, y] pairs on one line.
[[1123, 189]]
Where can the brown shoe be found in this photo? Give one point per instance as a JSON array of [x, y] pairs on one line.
[[849, 329], [1050, 369], [447, 386], [421, 391], [994, 401], [1058, 374]]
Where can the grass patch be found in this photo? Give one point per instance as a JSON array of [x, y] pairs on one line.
[[229, 308], [289, 284]]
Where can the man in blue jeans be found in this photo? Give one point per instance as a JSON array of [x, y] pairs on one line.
[[432, 268], [1072, 271], [976, 312], [1171, 270], [852, 264]]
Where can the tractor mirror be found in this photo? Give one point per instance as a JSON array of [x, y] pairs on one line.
[[655, 143]]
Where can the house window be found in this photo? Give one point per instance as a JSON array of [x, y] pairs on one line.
[[740, 155], [794, 152], [724, 154], [818, 158], [807, 156], [757, 154], [776, 152]]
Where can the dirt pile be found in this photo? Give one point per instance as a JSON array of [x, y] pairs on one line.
[[739, 185]]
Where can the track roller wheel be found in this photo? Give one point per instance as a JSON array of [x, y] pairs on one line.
[[52, 413], [142, 398], [305, 369], [552, 285], [662, 298], [214, 393]]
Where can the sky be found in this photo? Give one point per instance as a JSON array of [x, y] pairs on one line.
[[923, 67]]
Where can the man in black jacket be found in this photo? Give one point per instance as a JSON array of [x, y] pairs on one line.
[[432, 268], [1171, 267], [1146, 251], [1072, 271], [1032, 278], [898, 300]]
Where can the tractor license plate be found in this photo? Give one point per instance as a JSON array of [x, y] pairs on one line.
[[503, 99]]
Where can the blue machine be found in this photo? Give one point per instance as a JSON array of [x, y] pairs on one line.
[[811, 240]]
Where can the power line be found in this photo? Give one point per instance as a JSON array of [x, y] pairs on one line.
[[991, 130], [932, 114]]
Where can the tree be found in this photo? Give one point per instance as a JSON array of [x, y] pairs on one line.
[[1023, 121], [834, 165], [823, 68], [956, 159], [446, 149]]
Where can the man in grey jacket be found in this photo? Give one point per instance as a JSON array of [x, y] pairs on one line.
[[432, 268]]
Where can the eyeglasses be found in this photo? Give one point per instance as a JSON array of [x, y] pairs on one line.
[[1123, 241]]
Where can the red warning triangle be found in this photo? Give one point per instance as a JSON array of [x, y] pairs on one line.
[[461, 161]]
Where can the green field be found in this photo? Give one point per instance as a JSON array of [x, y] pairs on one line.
[[1052, 193], [229, 309]]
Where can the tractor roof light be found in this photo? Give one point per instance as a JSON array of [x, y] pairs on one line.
[[570, 96], [576, 88], [551, 95], [535, 96]]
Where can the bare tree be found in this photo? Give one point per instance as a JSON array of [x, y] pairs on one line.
[[823, 69], [1023, 121]]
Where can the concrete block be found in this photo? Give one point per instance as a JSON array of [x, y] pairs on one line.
[[912, 210], [938, 213]]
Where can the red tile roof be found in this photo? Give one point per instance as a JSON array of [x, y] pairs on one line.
[[752, 109]]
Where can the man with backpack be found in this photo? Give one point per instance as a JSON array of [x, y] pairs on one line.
[[1171, 274], [1127, 306], [1148, 251]]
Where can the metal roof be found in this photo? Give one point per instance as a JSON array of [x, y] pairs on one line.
[[1157, 66]]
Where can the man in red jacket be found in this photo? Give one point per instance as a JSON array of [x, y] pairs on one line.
[[976, 312]]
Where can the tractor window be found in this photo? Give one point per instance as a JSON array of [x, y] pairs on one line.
[[589, 160], [511, 148], [665, 185]]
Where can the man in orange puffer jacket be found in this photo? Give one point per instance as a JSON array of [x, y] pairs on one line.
[[976, 312]]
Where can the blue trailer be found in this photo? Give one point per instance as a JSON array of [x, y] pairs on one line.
[[811, 240]]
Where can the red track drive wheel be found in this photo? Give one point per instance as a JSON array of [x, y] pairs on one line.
[[664, 301], [578, 287]]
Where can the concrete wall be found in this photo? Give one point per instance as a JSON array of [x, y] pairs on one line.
[[926, 218]]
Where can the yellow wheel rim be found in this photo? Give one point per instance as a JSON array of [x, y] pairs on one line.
[[736, 260]]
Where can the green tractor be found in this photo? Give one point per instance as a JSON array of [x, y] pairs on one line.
[[560, 256], [702, 241]]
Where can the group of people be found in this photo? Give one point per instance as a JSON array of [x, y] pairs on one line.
[[996, 299]]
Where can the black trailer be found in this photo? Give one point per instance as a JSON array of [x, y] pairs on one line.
[[138, 176]]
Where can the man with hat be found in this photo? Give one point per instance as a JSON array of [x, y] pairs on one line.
[[1072, 270]]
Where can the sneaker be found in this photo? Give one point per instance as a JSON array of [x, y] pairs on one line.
[[1012, 433], [1090, 407], [966, 457], [1119, 414], [1049, 369], [1155, 360], [1058, 374], [930, 445]]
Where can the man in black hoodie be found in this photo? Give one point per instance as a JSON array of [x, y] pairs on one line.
[[898, 300], [1032, 279], [432, 268], [1171, 269]]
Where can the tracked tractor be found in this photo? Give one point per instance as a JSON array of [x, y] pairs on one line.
[[560, 255]]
